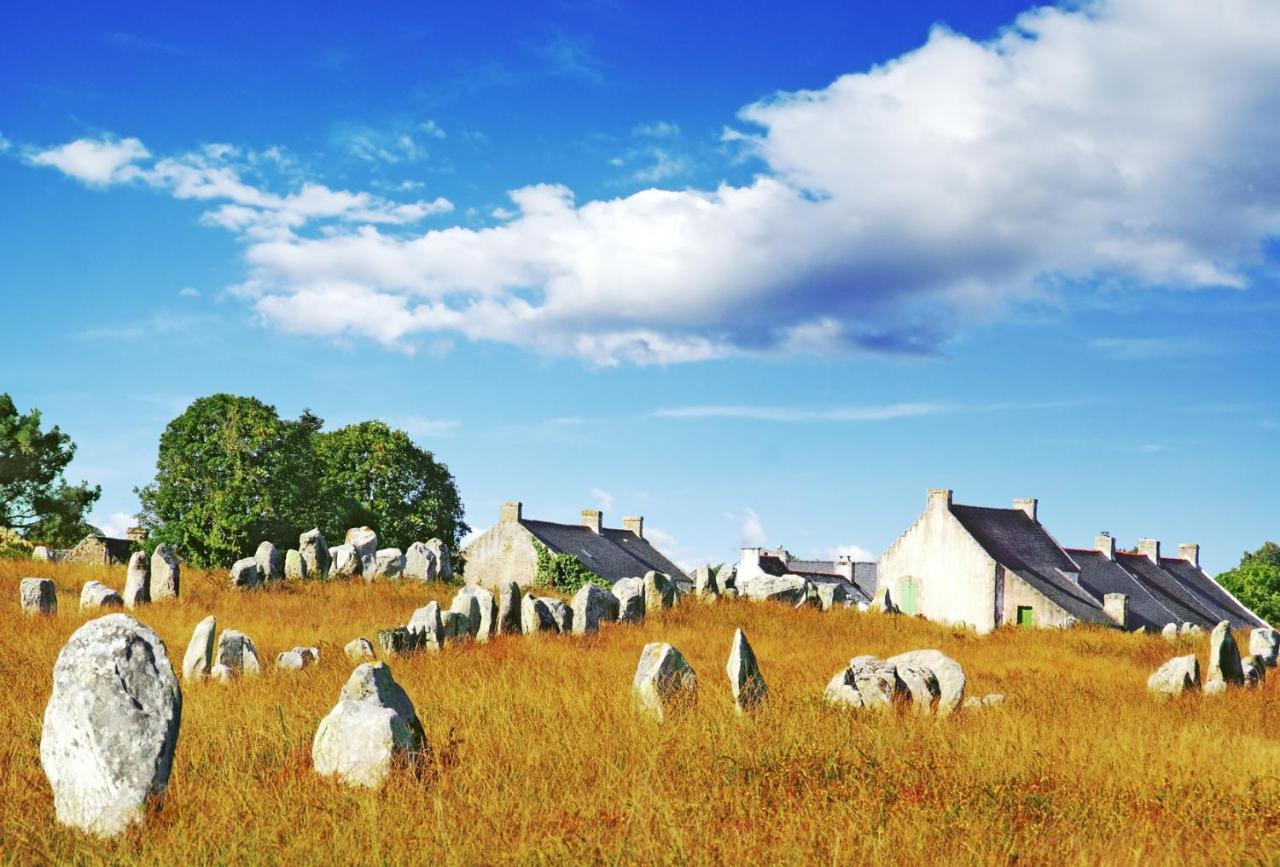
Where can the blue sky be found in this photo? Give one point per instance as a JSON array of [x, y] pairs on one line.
[[761, 274]]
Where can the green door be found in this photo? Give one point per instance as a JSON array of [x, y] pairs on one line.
[[1024, 616], [909, 603]]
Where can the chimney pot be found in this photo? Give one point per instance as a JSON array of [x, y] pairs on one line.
[[1190, 551], [939, 497], [593, 519], [635, 524], [1028, 505], [511, 512], [1150, 547], [1106, 543]]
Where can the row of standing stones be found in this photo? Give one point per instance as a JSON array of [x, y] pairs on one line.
[[112, 721], [1226, 668], [358, 557], [146, 579]]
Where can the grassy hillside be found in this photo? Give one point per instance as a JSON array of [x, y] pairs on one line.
[[539, 756]]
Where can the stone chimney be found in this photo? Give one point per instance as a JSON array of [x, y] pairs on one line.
[[511, 513], [1150, 547], [1190, 551], [136, 534], [1116, 606], [634, 524], [844, 567], [593, 519], [1106, 543], [1028, 505], [749, 563], [939, 498]]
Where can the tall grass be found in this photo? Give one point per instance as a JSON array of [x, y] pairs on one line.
[[539, 757]]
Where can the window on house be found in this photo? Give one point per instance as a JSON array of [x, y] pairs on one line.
[[1025, 617]]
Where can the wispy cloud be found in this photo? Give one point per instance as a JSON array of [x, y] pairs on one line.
[[1147, 348], [157, 323], [428, 427], [882, 412], [603, 499], [570, 54]]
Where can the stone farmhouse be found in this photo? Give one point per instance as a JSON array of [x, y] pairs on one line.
[[506, 552], [858, 577], [986, 567]]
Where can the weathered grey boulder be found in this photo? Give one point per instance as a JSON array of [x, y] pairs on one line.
[[1253, 671], [395, 640], [198, 660], [43, 553], [298, 658], [1178, 675], [95, 594], [359, 650], [882, 602], [591, 606], [877, 681], [467, 605], [295, 565], [482, 609], [166, 573], [508, 622], [315, 553], [1170, 631], [561, 614], [111, 725], [705, 585], [419, 563], [365, 543], [788, 589], [388, 564], [659, 592], [444, 559], [372, 727], [994, 699], [427, 628], [236, 654], [745, 680], [535, 616], [270, 563], [630, 593], [1224, 668], [38, 596], [344, 562], [827, 595], [245, 574], [663, 682], [1264, 646], [1190, 630], [727, 578], [137, 580], [922, 686], [948, 672]]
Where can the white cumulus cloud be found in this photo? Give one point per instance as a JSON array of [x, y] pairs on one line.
[[94, 161]]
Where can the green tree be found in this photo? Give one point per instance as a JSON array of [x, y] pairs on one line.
[[35, 500], [230, 473], [1256, 581], [372, 475]]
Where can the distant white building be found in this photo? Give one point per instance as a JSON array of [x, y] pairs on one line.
[[860, 576]]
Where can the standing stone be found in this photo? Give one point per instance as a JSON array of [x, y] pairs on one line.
[[630, 593], [198, 660], [295, 565], [484, 608], [137, 581], [882, 602], [365, 543], [394, 641], [1170, 632], [236, 655], [419, 563], [38, 596], [111, 725], [345, 562], [388, 564], [663, 681], [444, 561], [1253, 671], [947, 672], [42, 553], [95, 594], [456, 625], [1224, 661], [427, 627], [166, 573], [591, 605], [315, 552], [745, 680], [359, 649], [297, 659], [509, 608], [270, 563], [1190, 630], [535, 616], [788, 589], [704, 583], [659, 592], [245, 574], [561, 614], [831, 594], [467, 605], [1178, 675], [373, 726], [1264, 646]]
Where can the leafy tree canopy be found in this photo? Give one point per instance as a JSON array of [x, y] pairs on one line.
[[1256, 581], [35, 500]]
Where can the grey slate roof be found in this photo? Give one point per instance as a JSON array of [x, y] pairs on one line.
[[613, 554], [865, 577], [1210, 592], [1169, 590], [1101, 575], [1023, 546]]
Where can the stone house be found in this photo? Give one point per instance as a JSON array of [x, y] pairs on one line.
[[506, 551], [860, 577], [100, 550], [986, 567]]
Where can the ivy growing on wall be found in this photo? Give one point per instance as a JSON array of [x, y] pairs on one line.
[[562, 572]]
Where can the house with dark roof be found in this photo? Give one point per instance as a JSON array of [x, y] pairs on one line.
[[987, 567], [859, 578], [507, 551]]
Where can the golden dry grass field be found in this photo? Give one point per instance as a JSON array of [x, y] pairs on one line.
[[539, 757]]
